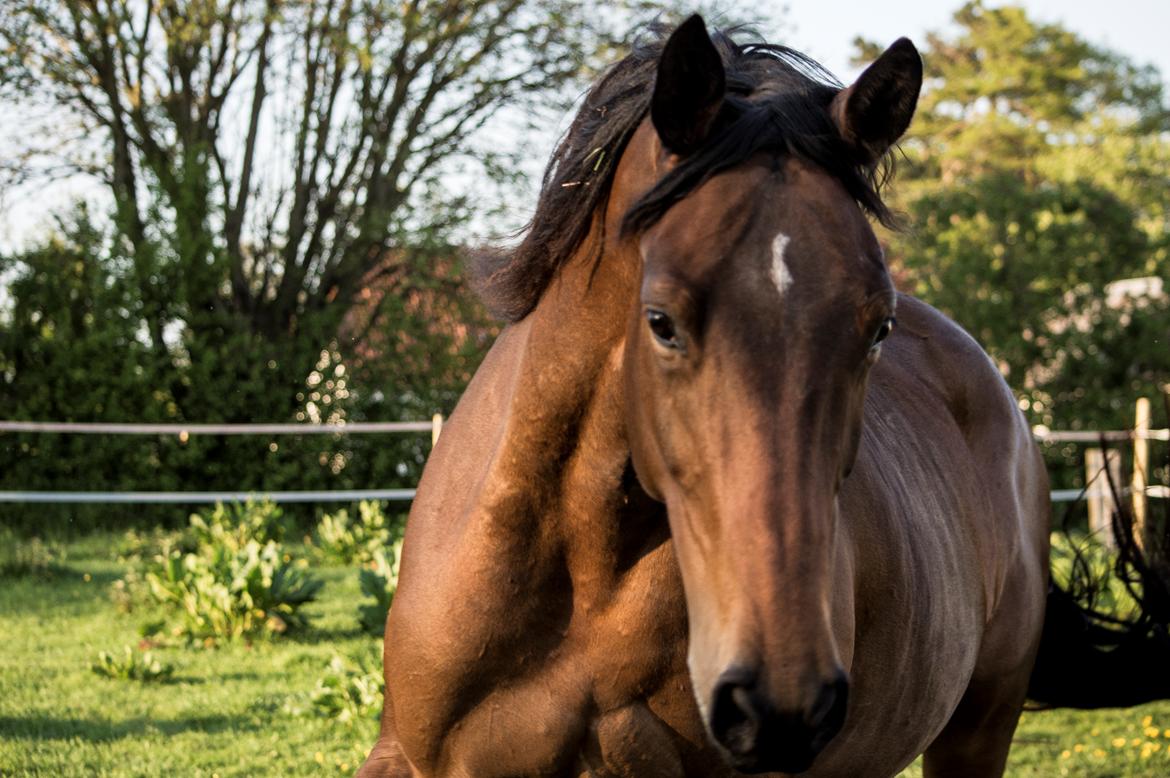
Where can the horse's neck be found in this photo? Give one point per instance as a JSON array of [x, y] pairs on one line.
[[568, 374], [528, 495], [561, 467]]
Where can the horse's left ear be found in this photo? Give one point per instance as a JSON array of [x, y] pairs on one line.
[[873, 113], [690, 87]]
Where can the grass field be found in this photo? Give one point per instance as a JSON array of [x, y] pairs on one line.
[[232, 711]]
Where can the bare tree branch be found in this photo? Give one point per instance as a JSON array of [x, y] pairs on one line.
[[268, 153]]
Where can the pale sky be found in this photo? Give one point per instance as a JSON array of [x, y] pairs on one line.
[[824, 29]]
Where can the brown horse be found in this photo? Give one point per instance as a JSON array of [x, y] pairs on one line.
[[685, 521]]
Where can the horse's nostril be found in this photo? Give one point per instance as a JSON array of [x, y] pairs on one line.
[[827, 714], [735, 717], [759, 737]]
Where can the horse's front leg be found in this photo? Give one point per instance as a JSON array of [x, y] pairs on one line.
[[386, 759], [631, 742]]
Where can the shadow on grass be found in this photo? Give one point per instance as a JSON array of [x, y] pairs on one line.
[[314, 636], [40, 727], [65, 586], [211, 677], [16, 570], [56, 573]]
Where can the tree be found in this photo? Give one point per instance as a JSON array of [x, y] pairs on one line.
[[366, 104], [267, 161], [289, 182], [1035, 178]]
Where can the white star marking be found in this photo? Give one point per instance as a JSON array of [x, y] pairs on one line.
[[780, 275]]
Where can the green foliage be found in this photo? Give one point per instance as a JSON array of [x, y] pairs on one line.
[[1078, 560], [239, 583], [347, 541], [378, 579], [137, 546], [232, 525], [28, 557], [140, 551], [132, 665], [227, 284], [350, 690], [1035, 176], [71, 349]]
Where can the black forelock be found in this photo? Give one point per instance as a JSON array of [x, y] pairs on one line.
[[777, 100]]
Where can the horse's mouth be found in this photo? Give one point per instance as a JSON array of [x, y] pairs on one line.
[[756, 738], [793, 759]]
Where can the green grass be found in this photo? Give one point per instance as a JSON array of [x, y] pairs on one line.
[[226, 711], [222, 713], [1133, 742]]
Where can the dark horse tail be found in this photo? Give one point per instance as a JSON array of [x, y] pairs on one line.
[[1090, 658]]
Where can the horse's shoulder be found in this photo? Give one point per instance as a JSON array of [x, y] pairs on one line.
[[998, 442], [936, 350], [941, 338]]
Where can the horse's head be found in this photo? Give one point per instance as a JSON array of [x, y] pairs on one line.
[[764, 302]]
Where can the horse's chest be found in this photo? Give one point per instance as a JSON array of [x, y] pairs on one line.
[[568, 669]]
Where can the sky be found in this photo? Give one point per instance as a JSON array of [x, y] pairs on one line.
[[824, 29]]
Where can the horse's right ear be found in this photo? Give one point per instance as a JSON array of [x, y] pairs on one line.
[[690, 87], [873, 113]]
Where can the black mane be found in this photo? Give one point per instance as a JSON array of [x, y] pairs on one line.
[[777, 99]]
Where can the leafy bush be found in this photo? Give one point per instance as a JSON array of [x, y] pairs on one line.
[[138, 546], [28, 557], [132, 665], [1081, 563], [140, 551], [349, 691], [237, 523], [379, 580], [74, 344], [345, 540], [127, 592], [239, 582]]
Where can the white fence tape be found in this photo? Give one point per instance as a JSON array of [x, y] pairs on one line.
[[338, 495], [1042, 435]]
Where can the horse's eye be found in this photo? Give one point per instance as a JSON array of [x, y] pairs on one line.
[[883, 331], [662, 326]]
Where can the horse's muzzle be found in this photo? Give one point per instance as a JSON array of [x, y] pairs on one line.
[[757, 737]]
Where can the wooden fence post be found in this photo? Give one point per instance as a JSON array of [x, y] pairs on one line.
[[1102, 501], [1141, 465]]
